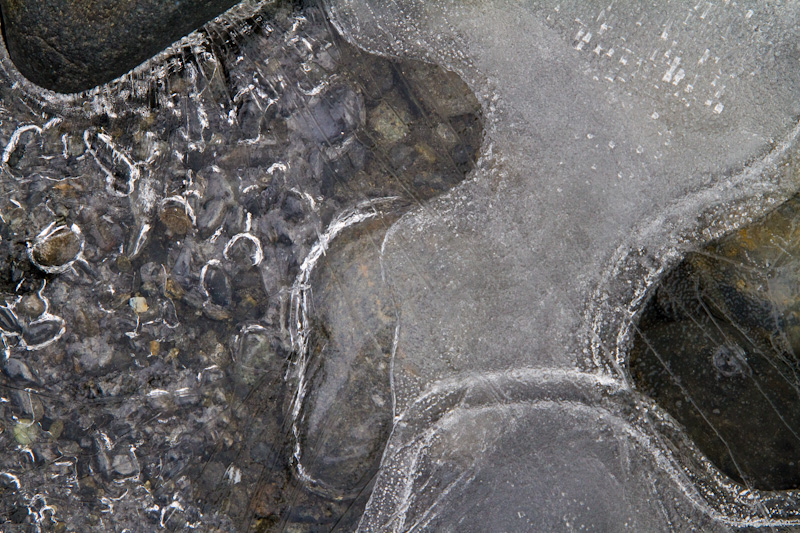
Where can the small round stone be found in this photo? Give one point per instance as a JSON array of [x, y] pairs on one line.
[[56, 247], [31, 306], [175, 218], [138, 304]]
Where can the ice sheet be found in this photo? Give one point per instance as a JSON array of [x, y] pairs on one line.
[[281, 290], [619, 134]]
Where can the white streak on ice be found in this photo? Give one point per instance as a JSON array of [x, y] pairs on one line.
[[12, 142], [116, 156], [301, 300]]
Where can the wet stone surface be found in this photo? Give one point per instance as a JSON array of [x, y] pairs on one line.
[[69, 46], [718, 346], [158, 314]]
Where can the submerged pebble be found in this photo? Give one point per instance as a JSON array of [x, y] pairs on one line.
[[31, 306], [175, 219], [43, 332], [216, 285], [17, 370], [25, 432], [56, 247], [255, 355], [139, 305], [9, 322]]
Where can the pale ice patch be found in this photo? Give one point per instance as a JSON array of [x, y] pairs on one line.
[[538, 262]]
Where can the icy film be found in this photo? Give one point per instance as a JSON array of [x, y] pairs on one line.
[[368, 265]]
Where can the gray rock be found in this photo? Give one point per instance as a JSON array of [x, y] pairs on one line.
[[16, 369], [70, 46], [123, 465]]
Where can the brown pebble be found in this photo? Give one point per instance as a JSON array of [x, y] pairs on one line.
[[176, 220], [56, 248], [124, 264], [31, 306]]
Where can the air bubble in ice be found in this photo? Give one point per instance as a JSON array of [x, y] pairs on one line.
[[731, 360]]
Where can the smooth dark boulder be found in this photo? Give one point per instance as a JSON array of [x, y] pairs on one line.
[[73, 45], [718, 346]]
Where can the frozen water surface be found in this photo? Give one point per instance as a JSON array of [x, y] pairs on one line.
[[618, 136], [278, 279]]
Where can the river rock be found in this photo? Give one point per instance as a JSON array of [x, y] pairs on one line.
[[71, 46]]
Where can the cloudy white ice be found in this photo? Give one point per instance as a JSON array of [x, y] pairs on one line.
[[619, 134]]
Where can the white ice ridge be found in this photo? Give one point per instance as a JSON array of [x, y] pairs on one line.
[[301, 301], [523, 389], [117, 156], [11, 145]]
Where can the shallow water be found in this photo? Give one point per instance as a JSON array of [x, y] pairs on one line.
[[716, 346]]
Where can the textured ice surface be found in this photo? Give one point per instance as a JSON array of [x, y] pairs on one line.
[[251, 314], [619, 134], [195, 329]]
